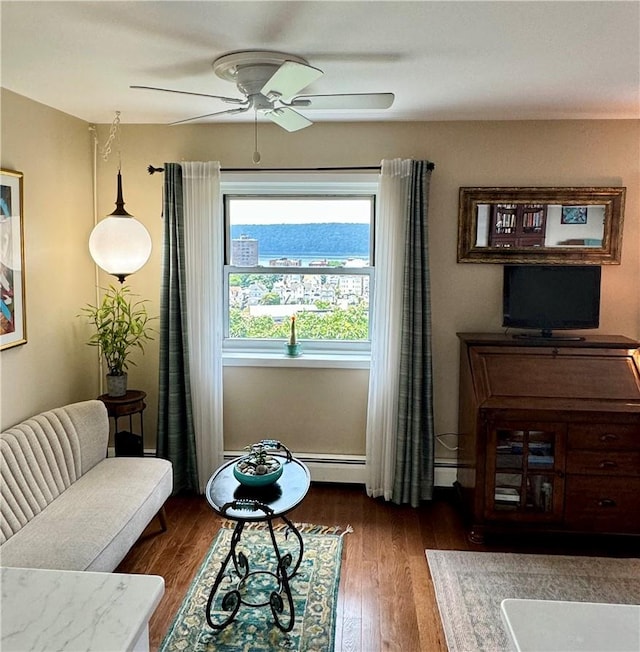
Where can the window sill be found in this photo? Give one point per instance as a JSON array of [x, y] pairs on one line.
[[324, 360]]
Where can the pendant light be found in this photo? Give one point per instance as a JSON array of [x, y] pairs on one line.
[[119, 244]]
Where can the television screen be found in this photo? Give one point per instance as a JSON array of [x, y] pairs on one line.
[[548, 297]]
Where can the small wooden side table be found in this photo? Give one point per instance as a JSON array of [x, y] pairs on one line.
[[127, 442]]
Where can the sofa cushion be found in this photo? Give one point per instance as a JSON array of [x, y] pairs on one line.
[[96, 520], [42, 457]]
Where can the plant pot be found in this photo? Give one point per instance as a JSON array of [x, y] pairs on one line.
[[293, 350], [248, 476], [116, 384]]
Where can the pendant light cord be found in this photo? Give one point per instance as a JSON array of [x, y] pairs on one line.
[[96, 272], [114, 132]]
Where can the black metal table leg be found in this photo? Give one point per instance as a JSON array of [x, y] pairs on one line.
[[233, 599]]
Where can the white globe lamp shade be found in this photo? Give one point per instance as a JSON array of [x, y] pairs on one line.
[[120, 245]]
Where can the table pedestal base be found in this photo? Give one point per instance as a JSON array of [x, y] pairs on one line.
[[235, 598]]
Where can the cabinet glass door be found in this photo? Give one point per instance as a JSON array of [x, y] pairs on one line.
[[525, 471]]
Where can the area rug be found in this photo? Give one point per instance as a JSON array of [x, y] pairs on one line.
[[470, 586], [314, 589]]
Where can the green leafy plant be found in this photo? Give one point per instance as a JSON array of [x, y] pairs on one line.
[[122, 325]]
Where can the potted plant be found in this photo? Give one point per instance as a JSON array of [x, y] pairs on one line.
[[122, 325], [293, 348], [259, 468]]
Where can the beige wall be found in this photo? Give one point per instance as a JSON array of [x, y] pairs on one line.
[[330, 406], [54, 367]]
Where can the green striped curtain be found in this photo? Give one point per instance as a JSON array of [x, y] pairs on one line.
[[176, 436], [413, 478]]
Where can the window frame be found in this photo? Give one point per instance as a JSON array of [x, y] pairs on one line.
[[326, 353]]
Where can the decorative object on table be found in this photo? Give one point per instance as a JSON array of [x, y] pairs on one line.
[[470, 586], [122, 325], [293, 347], [13, 324], [259, 468], [314, 590], [119, 244]]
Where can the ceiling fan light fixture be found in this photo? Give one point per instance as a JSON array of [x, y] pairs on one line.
[[270, 80]]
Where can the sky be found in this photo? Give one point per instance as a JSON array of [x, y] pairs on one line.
[[299, 211]]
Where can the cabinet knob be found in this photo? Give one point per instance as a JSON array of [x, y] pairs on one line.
[[608, 436], [606, 502], [608, 464]]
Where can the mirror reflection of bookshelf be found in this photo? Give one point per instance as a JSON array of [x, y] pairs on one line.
[[517, 225]]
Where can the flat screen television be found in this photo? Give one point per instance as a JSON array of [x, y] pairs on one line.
[[551, 297]]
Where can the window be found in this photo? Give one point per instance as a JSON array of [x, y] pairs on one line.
[[303, 248]]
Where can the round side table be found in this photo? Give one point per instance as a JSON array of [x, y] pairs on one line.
[[127, 443], [258, 504]]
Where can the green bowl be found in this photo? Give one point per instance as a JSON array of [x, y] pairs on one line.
[[256, 480]]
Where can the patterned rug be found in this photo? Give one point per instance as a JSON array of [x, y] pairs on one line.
[[470, 586], [314, 589]]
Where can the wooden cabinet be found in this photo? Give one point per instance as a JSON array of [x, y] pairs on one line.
[[517, 225], [549, 434]]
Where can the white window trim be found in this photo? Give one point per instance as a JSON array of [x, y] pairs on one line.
[[320, 354]]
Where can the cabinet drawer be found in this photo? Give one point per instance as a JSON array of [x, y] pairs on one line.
[[603, 504], [602, 436], [604, 462]]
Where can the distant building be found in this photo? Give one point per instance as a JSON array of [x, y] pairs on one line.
[[285, 262], [255, 292], [244, 252]]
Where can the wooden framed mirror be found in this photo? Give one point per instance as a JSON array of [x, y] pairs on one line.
[[581, 226]]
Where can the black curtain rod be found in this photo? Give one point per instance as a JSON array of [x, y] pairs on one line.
[[430, 166]]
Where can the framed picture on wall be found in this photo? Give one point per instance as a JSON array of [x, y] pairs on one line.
[[574, 215], [13, 325]]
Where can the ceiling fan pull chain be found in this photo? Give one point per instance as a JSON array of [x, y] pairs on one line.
[[256, 153]]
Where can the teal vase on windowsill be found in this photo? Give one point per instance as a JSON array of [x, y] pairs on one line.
[[293, 350]]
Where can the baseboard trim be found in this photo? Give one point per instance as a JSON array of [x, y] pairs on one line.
[[351, 469], [343, 469]]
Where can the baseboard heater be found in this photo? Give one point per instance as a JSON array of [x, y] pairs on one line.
[[350, 469], [345, 469]]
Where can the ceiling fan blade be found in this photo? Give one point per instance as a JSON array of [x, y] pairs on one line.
[[345, 101], [288, 118], [230, 100], [210, 115], [290, 78]]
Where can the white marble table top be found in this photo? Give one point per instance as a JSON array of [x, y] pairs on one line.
[[44, 610], [556, 626]]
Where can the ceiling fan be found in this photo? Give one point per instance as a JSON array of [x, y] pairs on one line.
[[270, 82]]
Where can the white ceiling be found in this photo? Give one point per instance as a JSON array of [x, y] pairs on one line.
[[443, 60]]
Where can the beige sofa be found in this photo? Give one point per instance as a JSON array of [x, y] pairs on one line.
[[64, 504]]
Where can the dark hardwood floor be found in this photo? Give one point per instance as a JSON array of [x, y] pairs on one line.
[[386, 600]]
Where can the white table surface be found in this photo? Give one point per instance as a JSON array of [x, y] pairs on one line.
[[44, 610], [555, 626]]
